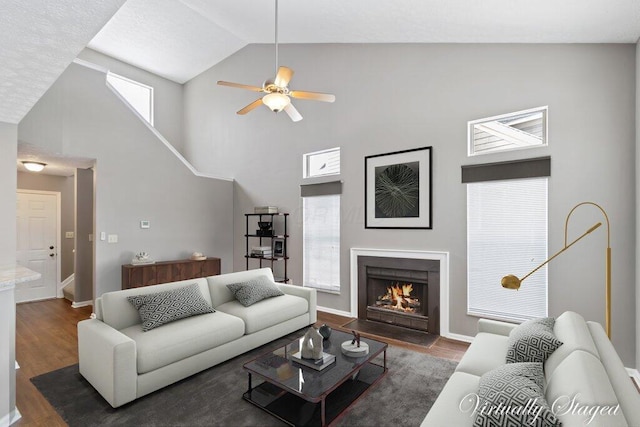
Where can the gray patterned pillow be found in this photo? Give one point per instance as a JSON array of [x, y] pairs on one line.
[[254, 290], [532, 341], [512, 395], [165, 307]]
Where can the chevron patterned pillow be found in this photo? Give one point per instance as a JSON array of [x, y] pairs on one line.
[[532, 341], [164, 307], [512, 395], [254, 290]]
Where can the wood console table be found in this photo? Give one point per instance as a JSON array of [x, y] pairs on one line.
[[135, 276]]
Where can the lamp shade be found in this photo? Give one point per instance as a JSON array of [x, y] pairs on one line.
[[34, 166], [276, 101]]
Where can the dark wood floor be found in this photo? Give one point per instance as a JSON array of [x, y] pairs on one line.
[[46, 340]]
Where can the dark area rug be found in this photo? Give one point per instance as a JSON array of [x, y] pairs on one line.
[[214, 397]]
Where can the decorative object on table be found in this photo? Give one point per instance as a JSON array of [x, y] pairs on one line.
[[355, 347], [142, 258], [325, 331], [198, 256], [511, 281], [278, 247], [311, 347], [324, 361], [398, 189], [265, 209], [265, 229]]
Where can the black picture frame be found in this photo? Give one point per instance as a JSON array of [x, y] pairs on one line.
[[398, 189], [278, 247]]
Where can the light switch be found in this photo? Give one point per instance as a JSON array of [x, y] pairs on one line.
[[91, 237], [69, 235], [113, 238], [103, 235], [144, 224]]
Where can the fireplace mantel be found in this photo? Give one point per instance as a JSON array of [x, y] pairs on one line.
[[442, 257]]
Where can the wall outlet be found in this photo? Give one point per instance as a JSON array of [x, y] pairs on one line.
[[69, 235], [113, 238]]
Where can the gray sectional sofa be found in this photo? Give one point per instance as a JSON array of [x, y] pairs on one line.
[[585, 366], [124, 363]]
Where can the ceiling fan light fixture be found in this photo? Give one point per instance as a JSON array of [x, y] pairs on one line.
[[276, 101], [34, 166]]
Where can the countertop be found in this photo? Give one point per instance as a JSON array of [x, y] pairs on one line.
[[10, 275]]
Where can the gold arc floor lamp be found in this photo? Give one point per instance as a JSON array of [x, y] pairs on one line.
[[513, 282]]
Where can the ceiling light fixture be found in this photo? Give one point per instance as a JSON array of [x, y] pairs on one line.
[[34, 166], [276, 101]]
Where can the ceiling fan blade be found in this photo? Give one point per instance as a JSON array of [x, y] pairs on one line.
[[283, 77], [314, 96], [240, 86], [251, 106], [292, 112]]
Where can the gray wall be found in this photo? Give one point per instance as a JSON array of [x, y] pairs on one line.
[[84, 229], [637, 319], [63, 185], [394, 97], [8, 158], [167, 95], [137, 178]]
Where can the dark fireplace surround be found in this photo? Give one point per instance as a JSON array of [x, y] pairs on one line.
[[376, 274]]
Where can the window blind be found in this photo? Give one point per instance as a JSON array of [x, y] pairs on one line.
[[507, 234], [321, 242]]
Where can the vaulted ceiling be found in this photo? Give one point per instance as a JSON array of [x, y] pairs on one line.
[[179, 39]]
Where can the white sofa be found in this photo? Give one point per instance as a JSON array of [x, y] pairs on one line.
[[124, 363], [586, 366]]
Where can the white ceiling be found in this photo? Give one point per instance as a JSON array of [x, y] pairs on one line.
[[56, 164], [179, 39]]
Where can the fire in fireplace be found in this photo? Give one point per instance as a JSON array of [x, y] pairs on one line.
[[398, 297]]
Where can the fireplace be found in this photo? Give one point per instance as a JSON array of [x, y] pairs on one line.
[[403, 292], [398, 297]]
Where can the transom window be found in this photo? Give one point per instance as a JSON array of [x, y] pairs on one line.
[[138, 95], [321, 163]]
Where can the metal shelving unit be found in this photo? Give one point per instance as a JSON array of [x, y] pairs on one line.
[[272, 261]]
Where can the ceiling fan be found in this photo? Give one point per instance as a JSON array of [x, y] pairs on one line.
[[278, 95]]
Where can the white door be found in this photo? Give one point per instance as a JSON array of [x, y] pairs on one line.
[[37, 223]]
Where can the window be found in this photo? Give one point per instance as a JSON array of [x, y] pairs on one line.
[[513, 131], [138, 95], [321, 163], [507, 234]]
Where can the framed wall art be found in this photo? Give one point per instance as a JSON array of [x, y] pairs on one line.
[[398, 189]]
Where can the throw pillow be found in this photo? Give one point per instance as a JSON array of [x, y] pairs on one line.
[[512, 395], [532, 341], [164, 307], [254, 290]]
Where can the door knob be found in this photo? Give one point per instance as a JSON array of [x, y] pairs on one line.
[[50, 247], [52, 255]]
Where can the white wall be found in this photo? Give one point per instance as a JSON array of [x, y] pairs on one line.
[[167, 95], [8, 158], [137, 178], [394, 97]]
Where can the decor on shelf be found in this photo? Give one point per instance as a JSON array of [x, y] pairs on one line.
[[270, 236], [325, 330], [198, 256], [142, 258], [277, 90], [265, 209], [278, 249], [511, 281], [33, 166], [311, 346], [398, 189]]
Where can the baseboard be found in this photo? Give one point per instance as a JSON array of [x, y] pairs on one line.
[[10, 418], [65, 283], [458, 337], [81, 304], [635, 376], [334, 311]]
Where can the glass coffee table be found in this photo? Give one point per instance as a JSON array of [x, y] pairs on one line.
[[303, 396]]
